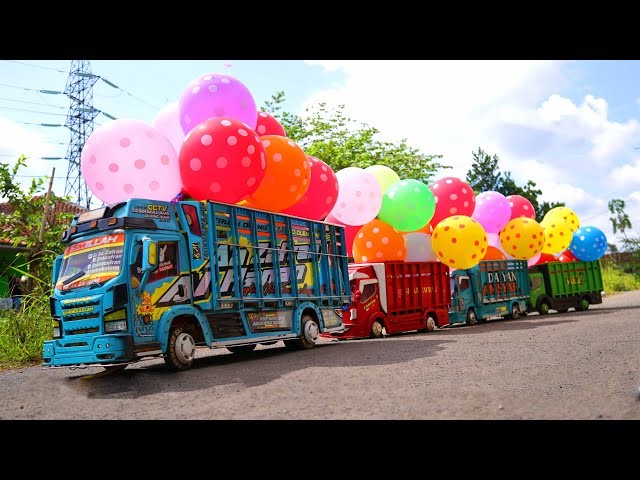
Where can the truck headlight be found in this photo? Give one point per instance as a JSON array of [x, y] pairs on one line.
[[116, 321], [56, 328]]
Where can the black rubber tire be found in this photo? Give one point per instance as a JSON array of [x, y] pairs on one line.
[[242, 348], [472, 319], [172, 357], [430, 326], [305, 342], [515, 311], [376, 329], [583, 305], [543, 308]]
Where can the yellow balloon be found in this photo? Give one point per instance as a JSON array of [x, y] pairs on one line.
[[459, 241], [565, 214], [384, 175], [557, 235], [522, 238]]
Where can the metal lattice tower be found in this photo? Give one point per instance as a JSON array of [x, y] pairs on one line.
[[80, 123]]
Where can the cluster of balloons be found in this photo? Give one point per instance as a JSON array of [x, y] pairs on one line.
[[214, 144]]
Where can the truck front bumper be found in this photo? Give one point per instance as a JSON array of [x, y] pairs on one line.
[[87, 350]]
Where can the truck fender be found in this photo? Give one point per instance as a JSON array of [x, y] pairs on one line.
[[182, 311], [297, 315], [380, 317]]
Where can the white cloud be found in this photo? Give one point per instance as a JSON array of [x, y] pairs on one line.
[[627, 175]]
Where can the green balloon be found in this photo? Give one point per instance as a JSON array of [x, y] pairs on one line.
[[407, 205], [384, 175]]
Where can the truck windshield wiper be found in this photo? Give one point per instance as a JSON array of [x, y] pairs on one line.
[[73, 277]]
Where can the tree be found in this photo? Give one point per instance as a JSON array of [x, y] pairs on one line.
[[485, 176], [336, 139], [22, 225], [621, 223]]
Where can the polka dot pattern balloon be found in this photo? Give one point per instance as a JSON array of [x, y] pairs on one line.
[[522, 238], [557, 235], [494, 253], [266, 124], [384, 175], [452, 196], [287, 177], [588, 244], [459, 241], [127, 158], [359, 197], [322, 194], [492, 211], [222, 159], [378, 241], [216, 95], [521, 207], [565, 214], [419, 248], [567, 256]]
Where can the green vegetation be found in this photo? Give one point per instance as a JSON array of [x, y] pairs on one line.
[[615, 279]]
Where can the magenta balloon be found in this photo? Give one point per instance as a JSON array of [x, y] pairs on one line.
[[492, 211], [126, 158], [321, 195], [167, 122], [359, 196], [216, 95]]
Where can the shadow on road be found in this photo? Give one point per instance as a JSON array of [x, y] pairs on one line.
[[255, 368]]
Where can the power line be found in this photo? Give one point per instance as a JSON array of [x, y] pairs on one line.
[[33, 111], [111, 84], [37, 66], [32, 103], [39, 158]]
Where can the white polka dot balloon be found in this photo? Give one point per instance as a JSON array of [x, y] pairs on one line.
[[359, 196], [588, 244], [321, 195], [128, 158]]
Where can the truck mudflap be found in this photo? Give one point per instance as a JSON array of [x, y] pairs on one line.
[[102, 350]]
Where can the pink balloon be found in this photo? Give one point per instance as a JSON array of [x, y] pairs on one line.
[[453, 197], [167, 122], [127, 158], [321, 195], [533, 260], [419, 248], [216, 95], [520, 207], [359, 196], [350, 232], [492, 211]]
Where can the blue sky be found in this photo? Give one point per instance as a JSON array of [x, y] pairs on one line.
[[571, 126]]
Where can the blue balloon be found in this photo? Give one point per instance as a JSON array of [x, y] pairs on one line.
[[588, 244]]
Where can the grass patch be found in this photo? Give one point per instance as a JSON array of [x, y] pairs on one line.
[[615, 279], [23, 332]]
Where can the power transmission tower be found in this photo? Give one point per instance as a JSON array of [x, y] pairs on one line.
[[80, 123]]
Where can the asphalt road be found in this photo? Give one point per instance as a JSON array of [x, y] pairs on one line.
[[577, 365]]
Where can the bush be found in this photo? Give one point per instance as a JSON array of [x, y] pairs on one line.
[[616, 280], [23, 331]]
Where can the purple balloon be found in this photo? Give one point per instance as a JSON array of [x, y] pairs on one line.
[[167, 123], [216, 95], [492, 211]]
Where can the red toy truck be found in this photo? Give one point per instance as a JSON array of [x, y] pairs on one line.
[[396, 296]]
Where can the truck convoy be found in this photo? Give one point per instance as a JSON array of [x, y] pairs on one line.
[[563, 285], [397, 297], [491, 288], [143, 279]]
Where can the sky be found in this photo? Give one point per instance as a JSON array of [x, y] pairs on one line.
[[573, 127]]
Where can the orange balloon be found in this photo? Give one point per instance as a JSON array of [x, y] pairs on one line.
[[377, 241], [287, 175], [494, 253]]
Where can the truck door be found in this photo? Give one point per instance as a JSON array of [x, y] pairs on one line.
[[169, 285], [465, 293]]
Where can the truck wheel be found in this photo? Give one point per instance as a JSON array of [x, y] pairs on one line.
[[430, 326], [471, 317], [242, 348], [180, 350], [309, 332], [376, 329], [543, 308], [515, 311], [583, 305]]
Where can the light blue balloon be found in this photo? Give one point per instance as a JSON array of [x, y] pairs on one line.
[[588, 244]]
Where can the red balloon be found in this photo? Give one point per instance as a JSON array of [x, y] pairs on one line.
[[349, 232], [222, 159], [546, 257], [267, 125], [567, 256], [453, 197], [321, 195], [521, 207]]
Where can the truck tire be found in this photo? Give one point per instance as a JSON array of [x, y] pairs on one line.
[[583, 305], [309, 331], [242, 348], [430, 326], [515, 311], [376, 329], [543, 307], [180, 350], [472, 319]]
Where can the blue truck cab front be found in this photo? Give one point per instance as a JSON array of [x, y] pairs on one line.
[[145, 278]]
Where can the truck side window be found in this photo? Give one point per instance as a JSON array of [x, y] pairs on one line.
[[168, 266], [464, 284], [536, 282], [191, 214], [368, 291]]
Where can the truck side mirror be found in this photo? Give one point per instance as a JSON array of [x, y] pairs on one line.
[[149, 255], [357, 295], [55, 269]]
